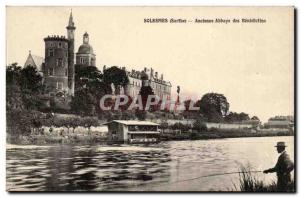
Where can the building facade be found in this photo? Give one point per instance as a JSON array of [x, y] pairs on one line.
[[146, 77], [280, 122], [132, 131], [56, 69], [58, 65]]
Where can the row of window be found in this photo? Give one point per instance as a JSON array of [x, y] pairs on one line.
[[160, 87], [153, 85], [83, 60], [51, 53], [51, 72], [59, 44], [135, 83]]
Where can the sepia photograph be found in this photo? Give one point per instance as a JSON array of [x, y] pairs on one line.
[[150, 99]]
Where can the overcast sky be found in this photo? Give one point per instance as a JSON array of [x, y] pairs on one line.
[[251, 64]]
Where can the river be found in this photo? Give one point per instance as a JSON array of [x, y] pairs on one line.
[[165, 166]]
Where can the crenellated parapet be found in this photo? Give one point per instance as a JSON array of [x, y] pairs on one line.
[[56, 38]]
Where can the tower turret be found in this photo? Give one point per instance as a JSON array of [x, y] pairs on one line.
[[85, 38], [71, 68], [56, 65], [85, 55]]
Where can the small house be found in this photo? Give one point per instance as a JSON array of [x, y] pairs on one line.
[[132, 131]]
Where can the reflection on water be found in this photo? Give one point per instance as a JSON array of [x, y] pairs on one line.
[[159, 167]]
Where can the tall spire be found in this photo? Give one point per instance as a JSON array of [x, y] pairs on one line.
[[71, 36], [71, 22]]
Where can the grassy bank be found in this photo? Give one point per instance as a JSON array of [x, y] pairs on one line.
[[218, 134], [248, 182], [53, 139]]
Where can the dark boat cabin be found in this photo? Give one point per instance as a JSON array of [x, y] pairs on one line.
[[133, 131]]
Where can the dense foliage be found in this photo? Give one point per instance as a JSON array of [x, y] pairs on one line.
[[24, 87]]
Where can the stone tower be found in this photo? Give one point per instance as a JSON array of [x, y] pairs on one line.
[[71, 68], [56, 65]]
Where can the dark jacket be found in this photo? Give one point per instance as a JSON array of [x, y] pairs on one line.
[[283, 168], [284, 164]]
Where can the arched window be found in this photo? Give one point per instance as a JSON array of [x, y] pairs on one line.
[[82, 60], [51, 52]]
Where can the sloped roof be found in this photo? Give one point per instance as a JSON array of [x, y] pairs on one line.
[[133, 122], [35, 60], [38, 60]]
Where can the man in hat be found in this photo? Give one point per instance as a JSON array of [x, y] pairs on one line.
[[283, 168]]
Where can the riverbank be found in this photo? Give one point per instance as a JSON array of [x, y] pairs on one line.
[[48, 139], [220, 134], [95, 138]]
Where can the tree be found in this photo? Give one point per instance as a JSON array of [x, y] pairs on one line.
[[180, 126], [75, 122], [236, 117], [214, 107], [145, 91], [164, 125], [116, 76], [89, 90], [83, 102], [28, 84], [91, 78], [188, 113], [31, 87], [37, 119], [13, 74], [18, 122], [141, 114], [199, 125], [255, 118], [88, 122]]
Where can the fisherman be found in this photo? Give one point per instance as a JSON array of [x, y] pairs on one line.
[[283, 168]]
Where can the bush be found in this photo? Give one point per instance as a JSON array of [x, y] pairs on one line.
[[199, 125], [180, 126]]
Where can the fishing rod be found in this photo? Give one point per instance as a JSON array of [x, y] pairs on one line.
[[211, 175]]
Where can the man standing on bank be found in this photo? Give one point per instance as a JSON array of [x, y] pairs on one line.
[[283, 168]]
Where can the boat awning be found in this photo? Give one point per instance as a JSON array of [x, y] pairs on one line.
[[144, 132], [133, 123]]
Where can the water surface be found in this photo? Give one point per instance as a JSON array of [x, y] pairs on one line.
[[166, 166]]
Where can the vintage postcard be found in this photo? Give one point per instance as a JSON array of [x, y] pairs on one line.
[[131, 99]]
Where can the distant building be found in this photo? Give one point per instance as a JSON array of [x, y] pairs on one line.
[[254, 123], [146, 77], [228, 126], [132, 131], [283, 122]]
